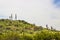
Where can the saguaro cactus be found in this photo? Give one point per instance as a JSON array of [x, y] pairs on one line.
[[11, 17], [15, 16]]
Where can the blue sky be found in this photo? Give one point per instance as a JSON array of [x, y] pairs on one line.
[[57, 3], [39, 12]]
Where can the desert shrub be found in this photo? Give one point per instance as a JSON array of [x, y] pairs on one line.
[[28, 37]]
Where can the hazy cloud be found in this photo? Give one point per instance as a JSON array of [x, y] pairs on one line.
[[40, 12]]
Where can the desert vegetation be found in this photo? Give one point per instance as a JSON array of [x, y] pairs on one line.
[[22, 30]]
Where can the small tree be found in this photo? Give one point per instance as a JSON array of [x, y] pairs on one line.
[[47, 26], [51, 28]]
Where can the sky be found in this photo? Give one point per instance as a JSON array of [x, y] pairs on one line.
[[39, 12]]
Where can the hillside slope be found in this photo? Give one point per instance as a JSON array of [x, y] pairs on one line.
[[22, 30], [17, 25]]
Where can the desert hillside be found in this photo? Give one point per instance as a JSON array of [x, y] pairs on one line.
[[22, 30]]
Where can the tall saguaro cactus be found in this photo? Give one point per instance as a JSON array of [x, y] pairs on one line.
[[11, 17], [15, 16]]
